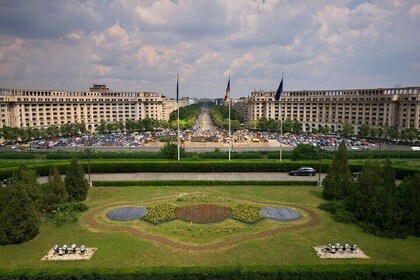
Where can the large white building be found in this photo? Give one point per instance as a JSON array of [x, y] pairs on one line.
[[383, 107], [43, 108]]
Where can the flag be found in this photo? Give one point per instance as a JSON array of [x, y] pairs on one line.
[[279, 91], [227, 90], [177, 89]]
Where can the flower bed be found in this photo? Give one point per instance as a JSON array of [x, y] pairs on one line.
[[203, 213], [281, 214], [160, 213], [246, 213], [126, 213]]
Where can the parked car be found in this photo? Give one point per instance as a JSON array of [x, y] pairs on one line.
[[303, 171]]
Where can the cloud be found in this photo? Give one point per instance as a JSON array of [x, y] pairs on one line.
[[415, 11], [148, 17], [141, 45]]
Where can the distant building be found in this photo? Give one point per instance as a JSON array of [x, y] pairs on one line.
[[383, 107], [218, 101], [43, 108]]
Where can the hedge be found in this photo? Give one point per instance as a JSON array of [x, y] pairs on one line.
[[223, 272], [201, 183], [116, 166], [197, 155]]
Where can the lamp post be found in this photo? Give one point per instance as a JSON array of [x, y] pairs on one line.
[[320, 164], [88, 150]]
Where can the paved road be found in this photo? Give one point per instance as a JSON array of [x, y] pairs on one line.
[[246, 176]]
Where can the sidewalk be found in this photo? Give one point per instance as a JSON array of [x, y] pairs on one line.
[[231, 176]]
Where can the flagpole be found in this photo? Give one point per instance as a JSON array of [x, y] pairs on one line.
[[281, 133], [281, 117], [177, 105], [230, 136]]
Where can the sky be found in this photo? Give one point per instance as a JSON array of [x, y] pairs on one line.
[[142, 45]]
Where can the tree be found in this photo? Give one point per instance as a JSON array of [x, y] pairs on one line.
[[75, 182], [27, 178], [56, 192], [304, 151], [53, 131], [170, 151], [235, 125], [407, 200], [410, 134], [337, 183], [101, 128], [392, 133], [262, 124], [287, 125], [252, 124], [347, 129], [19, 220], [364, 130]]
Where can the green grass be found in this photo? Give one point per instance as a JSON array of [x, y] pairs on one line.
[[124, 250]]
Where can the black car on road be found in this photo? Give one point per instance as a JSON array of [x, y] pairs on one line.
[[303, 171]]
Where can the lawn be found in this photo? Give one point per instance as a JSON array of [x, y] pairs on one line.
[[121, 249]]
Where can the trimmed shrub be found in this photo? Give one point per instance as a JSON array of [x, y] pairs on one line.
[[344, 216], [332, 206], [201, 183]]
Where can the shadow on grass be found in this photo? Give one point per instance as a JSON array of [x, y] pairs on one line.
[[316, 193]]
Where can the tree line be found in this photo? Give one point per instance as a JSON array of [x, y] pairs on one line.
[[373, 200], [23, 200], [188, 116]]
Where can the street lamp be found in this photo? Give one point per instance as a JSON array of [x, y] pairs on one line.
[[88, 150], [320, 164]]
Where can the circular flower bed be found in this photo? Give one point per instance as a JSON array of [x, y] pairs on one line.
[[127, 213], [246, 213], [159, 213], [203, 213], [281, 214]]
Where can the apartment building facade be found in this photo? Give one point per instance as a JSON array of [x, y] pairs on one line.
[[383, 107], [43, 108]]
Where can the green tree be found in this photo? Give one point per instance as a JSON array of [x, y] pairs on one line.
[[235, 125], [364, 130], [27, 178], [18, 216], [392, 133], [338, 182], [407, 200], [101, 128], [56, 192], [53, 131], [410, 134], [303, 152], [374, 132], [263, 124], [75, 182], [130, 126], [287, 125], [347, 129], [170, 151]]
